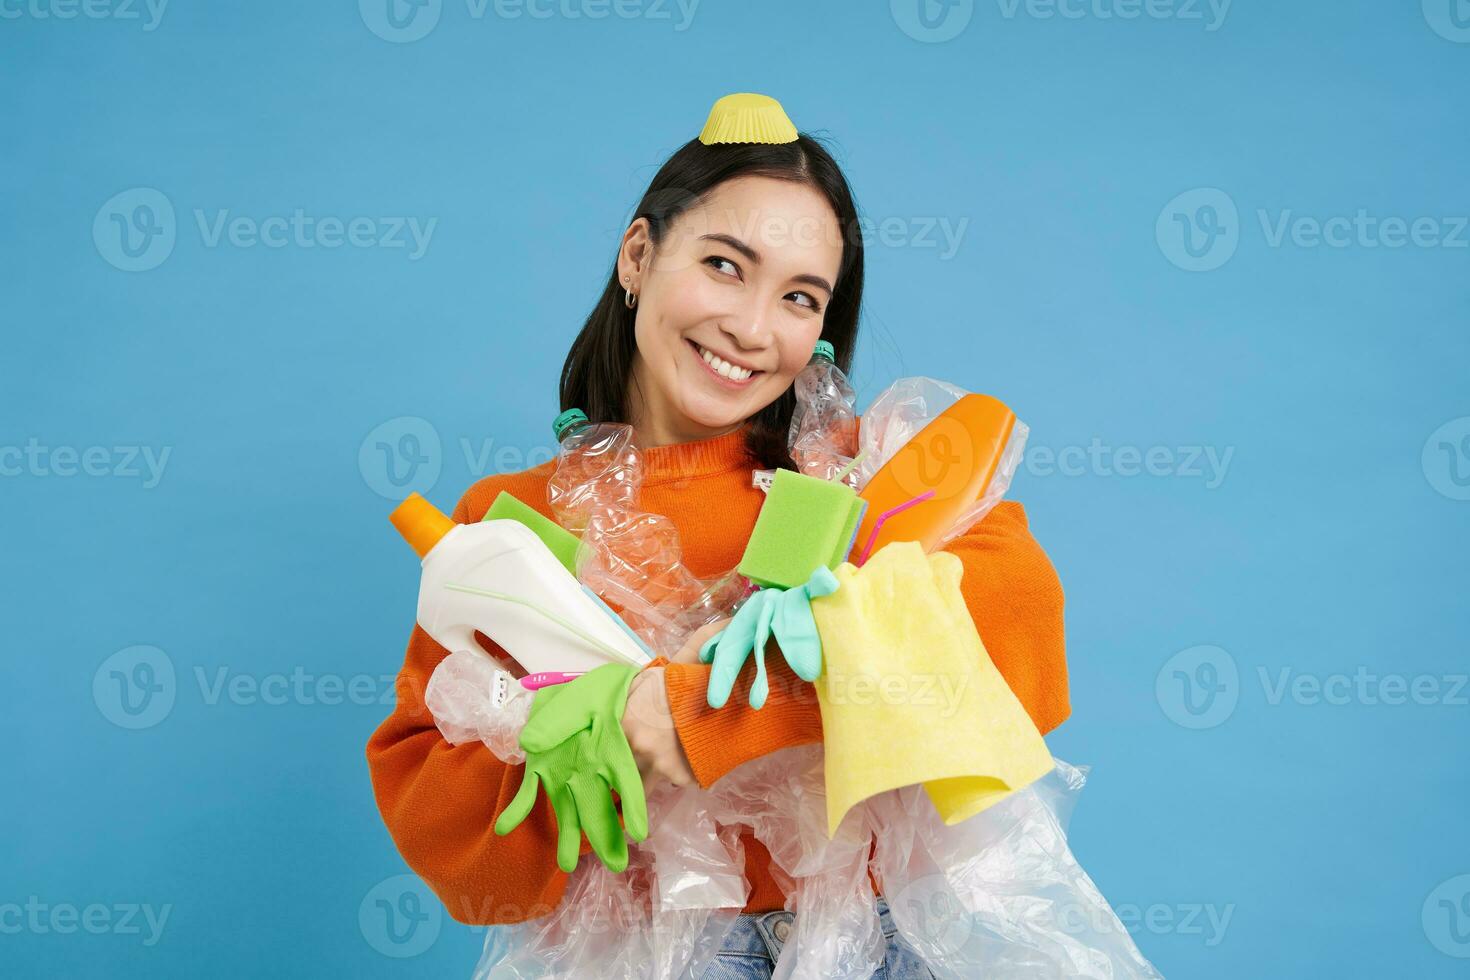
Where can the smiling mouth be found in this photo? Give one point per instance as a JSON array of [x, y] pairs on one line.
[[727, 373]]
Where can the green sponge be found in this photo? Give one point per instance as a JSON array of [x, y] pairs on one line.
[[563, 543], [805, 523]]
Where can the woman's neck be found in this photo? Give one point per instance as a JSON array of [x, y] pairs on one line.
[[658, 425]]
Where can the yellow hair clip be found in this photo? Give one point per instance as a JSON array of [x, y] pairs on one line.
[[746, 117]]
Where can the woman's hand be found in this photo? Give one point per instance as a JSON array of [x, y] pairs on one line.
[[649, 724]]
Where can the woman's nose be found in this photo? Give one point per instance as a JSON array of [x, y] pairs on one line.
[[747, 327]]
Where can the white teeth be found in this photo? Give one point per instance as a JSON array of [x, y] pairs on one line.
[[724, 367]]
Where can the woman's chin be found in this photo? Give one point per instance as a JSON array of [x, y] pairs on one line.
[[713, 417]]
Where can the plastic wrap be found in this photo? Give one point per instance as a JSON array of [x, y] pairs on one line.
[[823, 434], [666, 916], [997, 895], [897, 415], [471, 699], [630, 557]]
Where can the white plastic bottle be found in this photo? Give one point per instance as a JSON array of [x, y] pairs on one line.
[[499, 578]]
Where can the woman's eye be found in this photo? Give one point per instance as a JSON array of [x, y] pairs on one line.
[[716, 261], [811, 301]]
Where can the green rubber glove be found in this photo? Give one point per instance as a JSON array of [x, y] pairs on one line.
[[785, 612], [796, 628], [576, 748], [728, 649]]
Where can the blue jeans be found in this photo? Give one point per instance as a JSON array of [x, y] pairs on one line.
[[751, 949]]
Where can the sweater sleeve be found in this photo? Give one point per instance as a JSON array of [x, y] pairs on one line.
[[1015, 598], [440, 802], [717, 740]]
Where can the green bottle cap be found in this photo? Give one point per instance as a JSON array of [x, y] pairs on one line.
[[824, 349], [572, 418]]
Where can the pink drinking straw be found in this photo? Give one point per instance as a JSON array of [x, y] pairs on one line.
[[878, 524]]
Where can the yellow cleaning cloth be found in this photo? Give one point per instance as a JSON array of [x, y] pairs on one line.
[[908, 693]]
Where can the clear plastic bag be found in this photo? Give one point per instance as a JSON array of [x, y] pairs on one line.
[[998, 895], [665, 916], [471, 700]]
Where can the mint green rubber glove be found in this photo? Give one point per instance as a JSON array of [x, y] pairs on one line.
[[785, 612], [576, 748], [796, 628]]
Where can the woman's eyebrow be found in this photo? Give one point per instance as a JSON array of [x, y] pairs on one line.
[[734, 243], [755, 257]]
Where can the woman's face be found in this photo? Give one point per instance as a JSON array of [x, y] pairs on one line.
[[730, 306]]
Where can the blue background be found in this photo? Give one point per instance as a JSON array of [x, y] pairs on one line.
[[1334, 540]]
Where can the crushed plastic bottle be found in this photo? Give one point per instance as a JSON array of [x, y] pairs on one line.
[[824, 427], [628, 556]]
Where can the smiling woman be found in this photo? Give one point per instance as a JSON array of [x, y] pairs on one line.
[[738, 259]]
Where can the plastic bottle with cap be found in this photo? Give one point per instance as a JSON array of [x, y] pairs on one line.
[[823, 434], [498, 578], [599, 469]]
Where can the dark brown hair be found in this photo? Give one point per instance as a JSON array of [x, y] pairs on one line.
[[595, 375]]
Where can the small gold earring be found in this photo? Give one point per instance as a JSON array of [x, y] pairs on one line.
[[630, 299]]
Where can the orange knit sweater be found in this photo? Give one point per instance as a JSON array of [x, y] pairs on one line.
[[440, 801]]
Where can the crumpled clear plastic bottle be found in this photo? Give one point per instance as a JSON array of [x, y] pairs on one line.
[[630, 557], [824, 425]]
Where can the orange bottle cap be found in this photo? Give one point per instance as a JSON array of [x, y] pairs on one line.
[[421, 523]]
